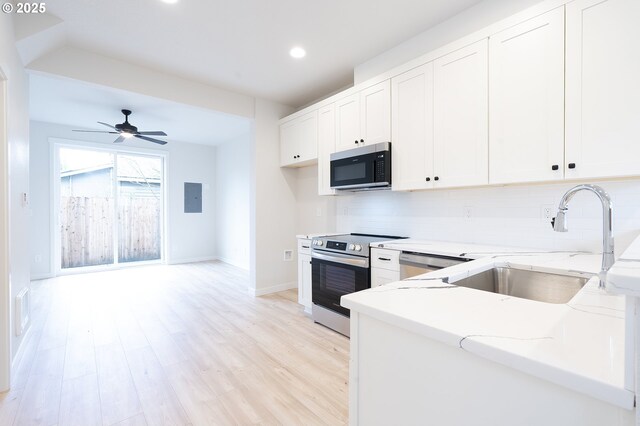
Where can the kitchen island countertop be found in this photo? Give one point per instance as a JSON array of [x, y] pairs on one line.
[[579, 345]]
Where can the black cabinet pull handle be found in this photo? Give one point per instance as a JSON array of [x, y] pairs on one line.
[[572, 165], [436, 178], [428, 179], [305, 246], [385, 259], [555, 167], [361, 140], [356, 142]]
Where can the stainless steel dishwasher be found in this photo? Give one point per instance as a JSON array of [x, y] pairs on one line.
[[412, 264]]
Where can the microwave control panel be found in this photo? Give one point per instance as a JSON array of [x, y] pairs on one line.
[[380, 168]]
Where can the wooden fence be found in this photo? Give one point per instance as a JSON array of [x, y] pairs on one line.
[[87, 230]]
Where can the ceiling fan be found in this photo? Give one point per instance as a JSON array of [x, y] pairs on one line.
[[126, 130]]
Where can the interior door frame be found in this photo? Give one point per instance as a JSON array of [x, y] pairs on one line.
[[55, 249], [5, 286]]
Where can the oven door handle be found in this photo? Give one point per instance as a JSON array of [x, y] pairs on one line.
[[341, 258]]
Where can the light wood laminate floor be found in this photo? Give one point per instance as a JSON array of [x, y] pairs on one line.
[[174, 345]]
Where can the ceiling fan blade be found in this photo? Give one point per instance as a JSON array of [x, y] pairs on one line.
[[158, 141], [108, 125], [154, 133], [120, 139], [95, 131]]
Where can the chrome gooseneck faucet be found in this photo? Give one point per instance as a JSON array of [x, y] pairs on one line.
[[559, 223]]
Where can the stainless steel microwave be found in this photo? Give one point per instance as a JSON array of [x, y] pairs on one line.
[[365, 167]]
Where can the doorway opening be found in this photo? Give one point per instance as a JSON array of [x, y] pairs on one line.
[[111, 208], [5, 292]]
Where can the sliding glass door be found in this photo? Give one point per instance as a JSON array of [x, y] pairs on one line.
[[139, 208], [110, 207]]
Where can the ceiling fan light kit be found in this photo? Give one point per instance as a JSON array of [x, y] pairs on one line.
[[127, 130]]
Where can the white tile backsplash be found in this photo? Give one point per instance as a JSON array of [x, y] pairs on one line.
[[504, 215]]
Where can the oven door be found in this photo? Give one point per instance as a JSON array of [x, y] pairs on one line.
[[334, 275]]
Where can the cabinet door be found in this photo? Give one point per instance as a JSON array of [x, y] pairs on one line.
[[603, 88], [308, 134], [461, 117], [412, 129], [375, 113], [348, 122], [383, 276], [326, 146], [288, 143], [526, 101], [304, 281]]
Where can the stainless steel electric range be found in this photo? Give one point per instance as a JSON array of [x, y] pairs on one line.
[[340, 265]]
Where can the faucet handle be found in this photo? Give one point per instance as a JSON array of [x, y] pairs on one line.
[[559, 222]]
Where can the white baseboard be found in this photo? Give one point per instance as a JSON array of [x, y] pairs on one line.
[[234, 263], [192, 260], [36, 277], [26, 336], [273, 289]]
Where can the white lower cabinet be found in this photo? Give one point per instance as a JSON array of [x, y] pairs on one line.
[[304, 274], [383, 276], [385, 266]]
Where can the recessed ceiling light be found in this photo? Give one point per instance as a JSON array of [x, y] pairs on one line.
[[170, 1], [298, 52]]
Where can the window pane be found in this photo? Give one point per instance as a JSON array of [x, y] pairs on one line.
[[86, 207], [139, 208]]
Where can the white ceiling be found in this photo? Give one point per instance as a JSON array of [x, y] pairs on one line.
[[81, 105], [243, 45]]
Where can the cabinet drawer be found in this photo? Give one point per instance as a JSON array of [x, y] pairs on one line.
[[385, 259], [383, 276], [304, 246]]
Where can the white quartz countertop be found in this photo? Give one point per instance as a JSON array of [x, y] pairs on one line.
[[447, 248], [316, 235], [579, 345]]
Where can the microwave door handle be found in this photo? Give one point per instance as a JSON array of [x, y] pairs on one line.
[[374, 177]]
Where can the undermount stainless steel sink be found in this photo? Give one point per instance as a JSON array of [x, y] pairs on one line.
[[526, 284]]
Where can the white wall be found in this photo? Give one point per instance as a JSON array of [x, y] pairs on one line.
[[232, 201], [508, 216], [316, 214], [475, 18], [273, 208], [78, 64], [18, 171], [191, 236]]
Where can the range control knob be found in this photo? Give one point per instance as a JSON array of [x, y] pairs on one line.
[[319, 242], [352, 247], [358, 247]]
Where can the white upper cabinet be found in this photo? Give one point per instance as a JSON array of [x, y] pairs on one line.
[[526, 101], [326, 146], [375, 115], [461, 117], [603, 88], [299, 140], [364, 117], [412, 129], [348, 122]]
